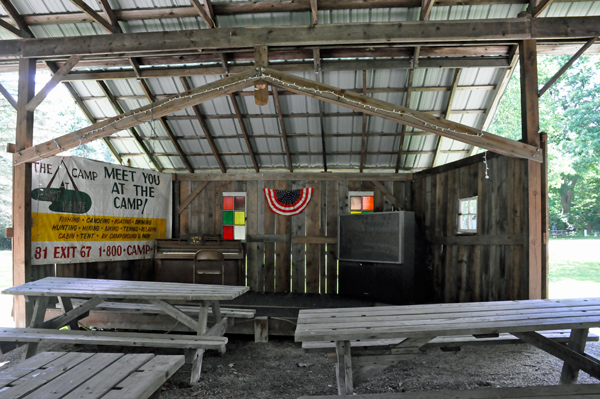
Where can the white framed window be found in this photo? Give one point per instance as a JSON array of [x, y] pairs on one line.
[[467, 215], [361, 202]]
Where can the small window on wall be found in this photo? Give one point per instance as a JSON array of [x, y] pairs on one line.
[[467, 215], [361, 202], [234, 216]]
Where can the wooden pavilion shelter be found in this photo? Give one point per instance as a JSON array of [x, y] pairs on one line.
[[388, 96]]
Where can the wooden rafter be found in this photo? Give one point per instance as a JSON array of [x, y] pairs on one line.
[[403, 115], [112, 17], [426, 6], [14, 31], [53, 82], [536, 9], [80, 102], [240, 120], [340, 65], [447, 115], [298, 153], [168, 130], [133, 130], [17, 18], [409, 90], [228, 39], [136, 117], [491, 111], [204, 14], [314, 9], [283, 131], [365, 118], [567, 65], [250, 7], [318, 75], [205, 129], [94, 15], [11, 100]]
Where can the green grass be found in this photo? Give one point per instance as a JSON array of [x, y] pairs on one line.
[[577, 260], [578, 271]]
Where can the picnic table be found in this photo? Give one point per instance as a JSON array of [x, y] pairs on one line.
[[77, 375], [416, 325], [96, 291]]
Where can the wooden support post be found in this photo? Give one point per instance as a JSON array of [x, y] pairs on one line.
[[545, 218], [577, 341], [530, 123], [37, 319], [261, 91], [261, 329], [363, 141], [8, 96], [343, 368], [409, 90], [318, 78], [22, 271]]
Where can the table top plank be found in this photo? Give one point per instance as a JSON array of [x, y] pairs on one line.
[[148, 379], [37, 378], [27, 366], [424, 321], [452, 307], [123, 289], [68, 381], [476, 315], [107, 379]]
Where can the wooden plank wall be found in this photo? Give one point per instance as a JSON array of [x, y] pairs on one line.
[[286, 254], [488, 265]]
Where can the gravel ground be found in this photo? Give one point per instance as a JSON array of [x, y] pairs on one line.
[[280, 369]]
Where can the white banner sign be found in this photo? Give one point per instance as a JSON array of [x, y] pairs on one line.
[[88, 211]]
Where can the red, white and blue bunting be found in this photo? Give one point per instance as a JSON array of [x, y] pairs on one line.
[[288, 203]]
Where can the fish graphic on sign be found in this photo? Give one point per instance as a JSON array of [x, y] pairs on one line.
[[63, 200]]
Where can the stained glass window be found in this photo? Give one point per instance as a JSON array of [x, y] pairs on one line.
[[361, 202], [467, 215], [234, 216]]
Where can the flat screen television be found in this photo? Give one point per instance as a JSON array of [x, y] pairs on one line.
[[372, 237]]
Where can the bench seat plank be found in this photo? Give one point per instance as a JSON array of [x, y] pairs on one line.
[[561, 336], [590, 391], [27, 335], [192, 311]]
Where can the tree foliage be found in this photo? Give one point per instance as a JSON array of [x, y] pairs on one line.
[[570, 115]]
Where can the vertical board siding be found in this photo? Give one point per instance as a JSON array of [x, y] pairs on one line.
[[490, 270], [285, 266]]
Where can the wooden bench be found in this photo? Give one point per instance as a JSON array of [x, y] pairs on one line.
[[90, 375], [454, 342], [415, 326], [36, 335], [539, 392]]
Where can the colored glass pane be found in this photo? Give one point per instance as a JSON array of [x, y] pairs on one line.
[[228, 232], [227, 203], [355, 212], [239, 233], [240, 218], [368, 204], [367, 211], [240, 203], [227, 218], [355, 203]]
